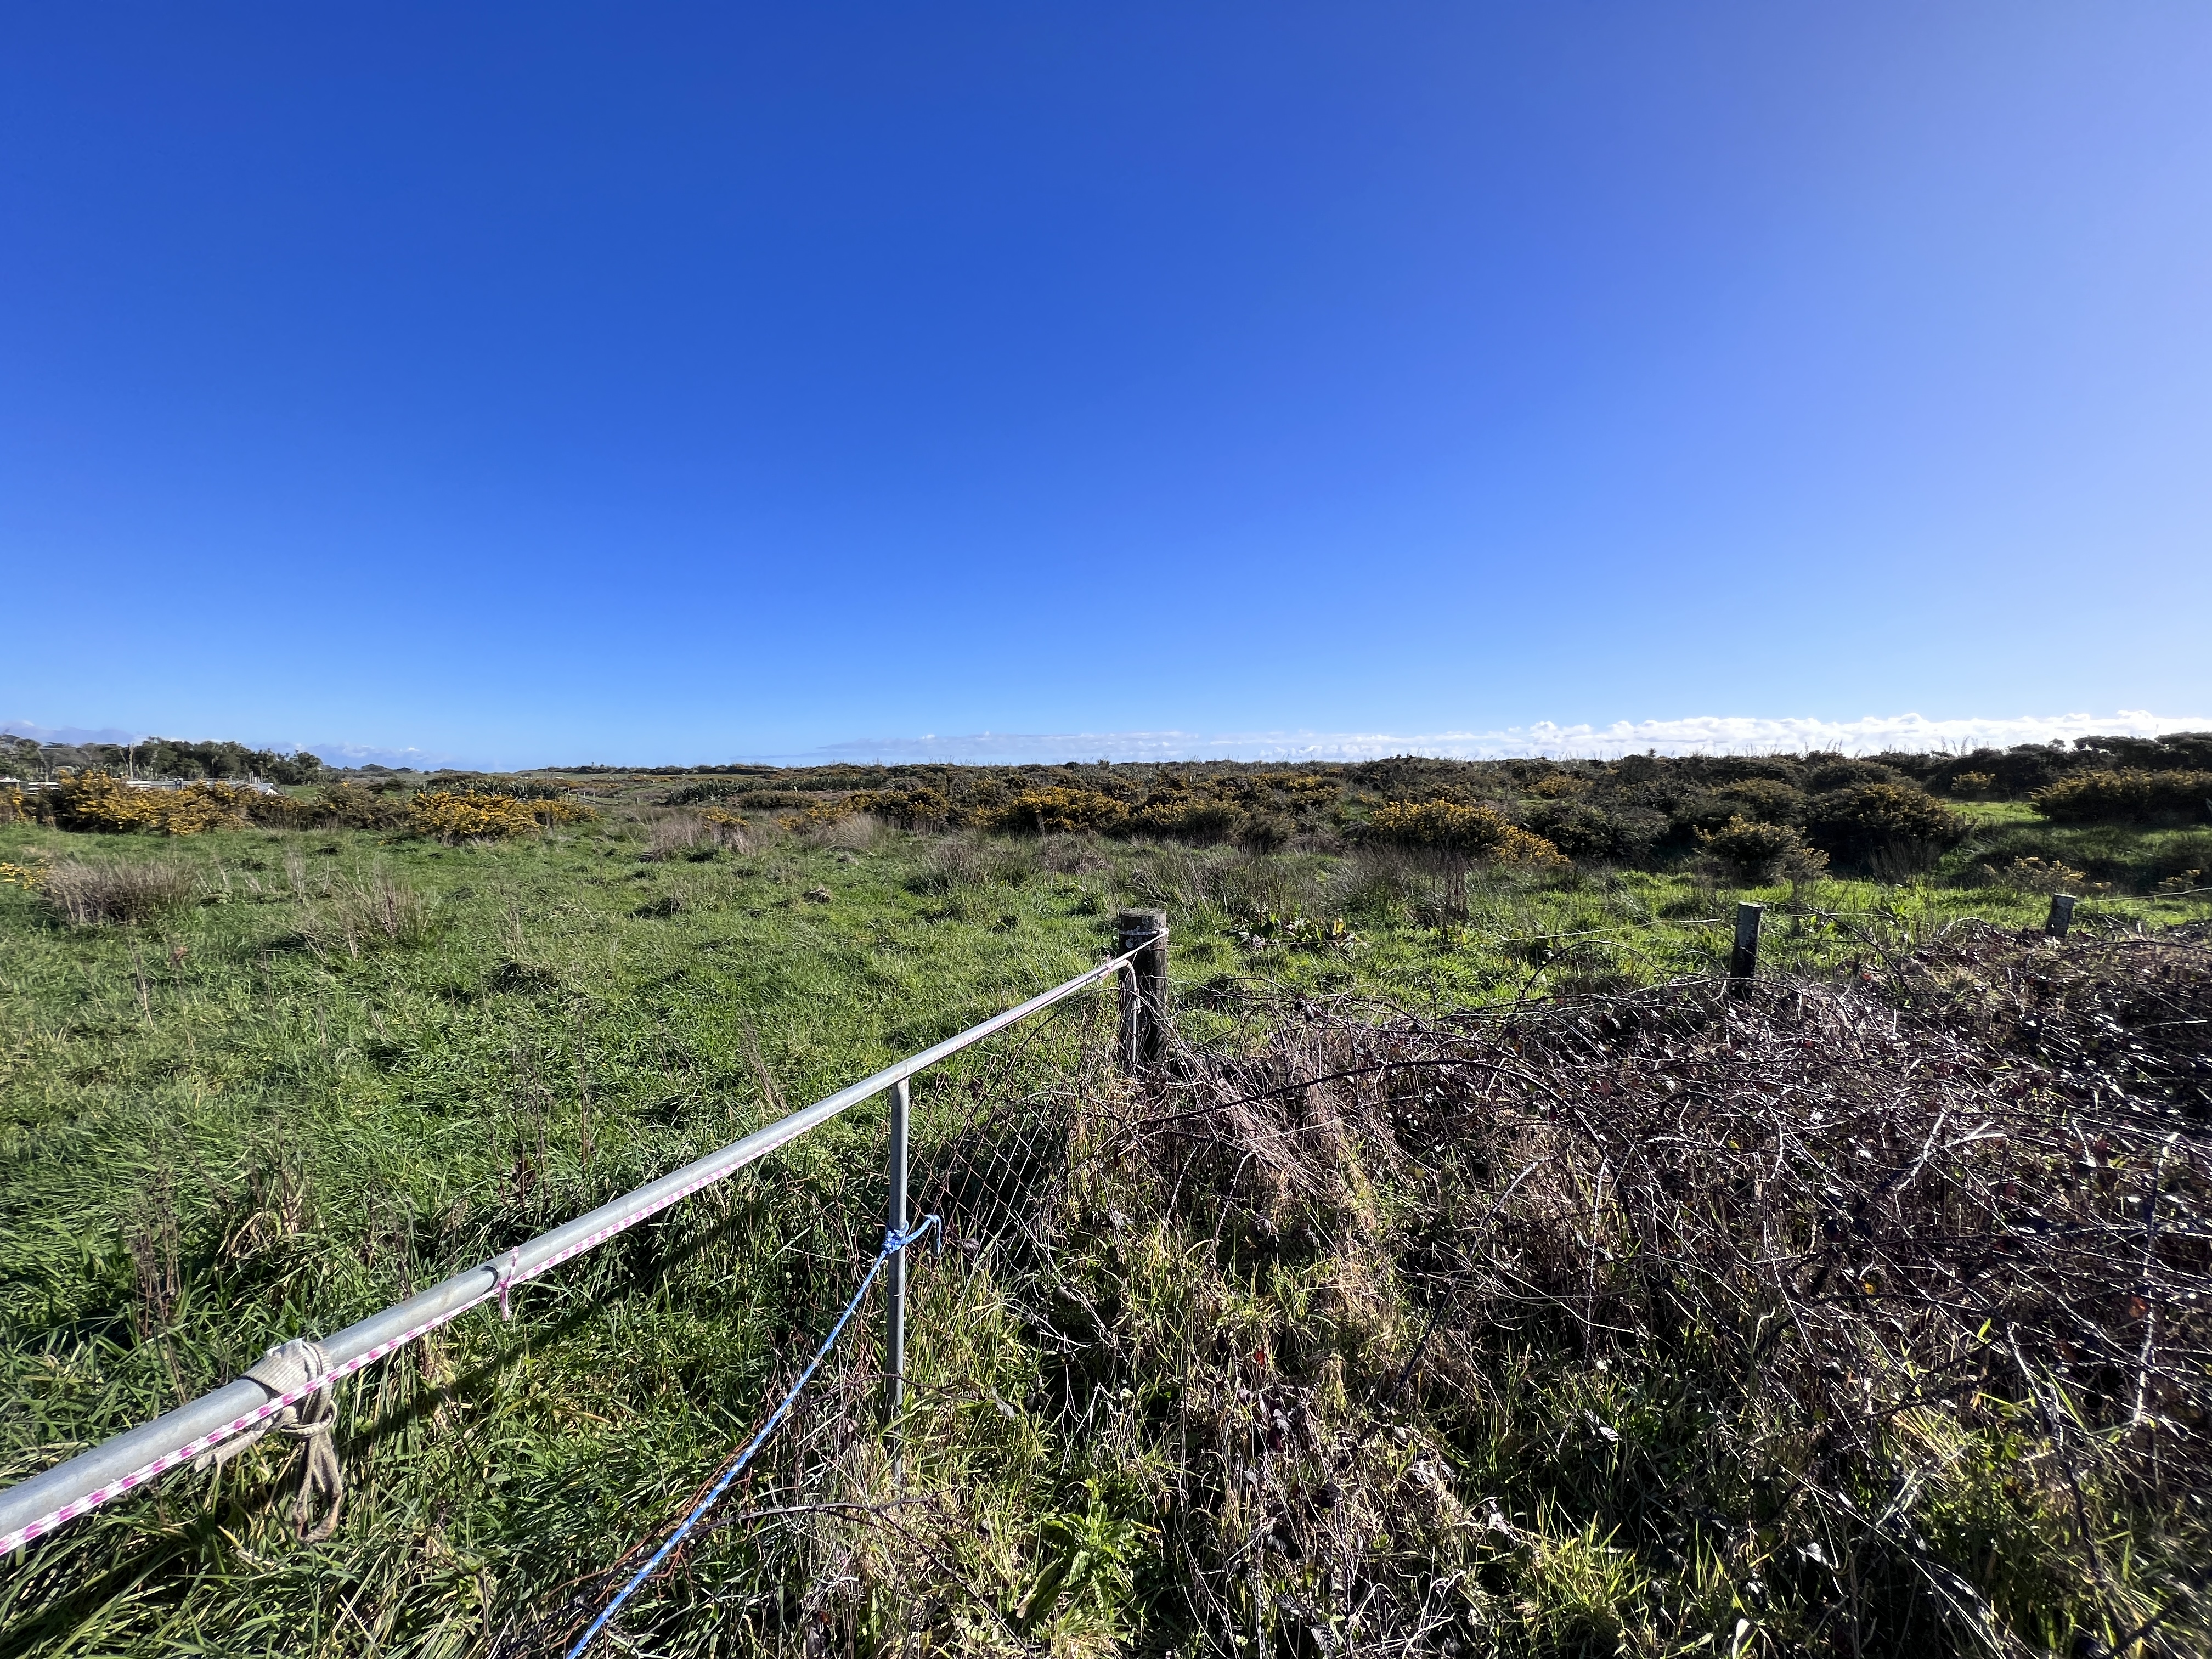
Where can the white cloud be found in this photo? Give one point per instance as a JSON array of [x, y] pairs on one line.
[[359, 753], [1696, 734]]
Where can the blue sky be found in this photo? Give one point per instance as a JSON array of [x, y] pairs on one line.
[[520, 383]]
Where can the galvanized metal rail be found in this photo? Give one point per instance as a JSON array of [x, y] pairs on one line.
[[33, 1508]]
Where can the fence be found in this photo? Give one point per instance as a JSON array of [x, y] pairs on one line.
[[34, 1508]]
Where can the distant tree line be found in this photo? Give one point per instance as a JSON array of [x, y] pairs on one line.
[[159, 758]]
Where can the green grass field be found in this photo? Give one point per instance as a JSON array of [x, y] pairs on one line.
[[354, 1062]]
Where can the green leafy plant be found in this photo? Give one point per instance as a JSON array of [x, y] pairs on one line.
[[1479, 833], [1861, 822], [1756, 854], [2126, 797]]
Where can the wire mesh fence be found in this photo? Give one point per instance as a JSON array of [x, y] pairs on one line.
[[1884, 1296]]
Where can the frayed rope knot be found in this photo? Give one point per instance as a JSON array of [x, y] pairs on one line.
[[312, 1417], [507, 1268]]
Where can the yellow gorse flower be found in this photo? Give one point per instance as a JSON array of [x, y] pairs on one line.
[[453, 815], [98, 801]]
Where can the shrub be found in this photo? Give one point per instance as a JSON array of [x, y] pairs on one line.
[[744, 792], [1059, 810], [2035, 875], [1867, 821], [1757, 853], [1186, 818], [98, 801], [1834, 772], [1476, 833], [908, 808], [1763, 800], [88, 894], [2125, 797], [343, 805], [450, 817], [1268, 832], [282, 811], [1974, 786], [30, 878], [1577, 829]]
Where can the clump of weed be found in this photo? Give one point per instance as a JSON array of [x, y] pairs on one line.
[[853, 831], [87, 895], [958, 863], [357, 917], [695, 835], [1595, 1329]]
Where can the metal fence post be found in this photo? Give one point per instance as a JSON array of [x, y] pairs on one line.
[[1144, 987], [2061, 916], [1743, 958], [895, 1269]]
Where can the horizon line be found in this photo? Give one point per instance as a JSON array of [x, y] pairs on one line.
[[1696, 734]]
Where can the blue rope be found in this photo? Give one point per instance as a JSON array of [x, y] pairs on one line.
[[893, 1243]]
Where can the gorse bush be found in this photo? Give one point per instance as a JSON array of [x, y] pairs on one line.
[[906, 809], [1475, 833], [1581, 829], [1056, 811], [1756, 854], [1764, 800], [1861, 822], [451, 816], [98, 801], [1205, 822], [455, 817], [2126, 797]]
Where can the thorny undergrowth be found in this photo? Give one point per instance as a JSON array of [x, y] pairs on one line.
[[1857, 1319], [1860, 1318]]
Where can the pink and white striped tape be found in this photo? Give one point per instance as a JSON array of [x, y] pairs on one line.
[[14, 1540]]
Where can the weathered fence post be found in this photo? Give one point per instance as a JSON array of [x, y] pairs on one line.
[[1144, 987], [1743, 958], [2061, 916], [895, 1269]]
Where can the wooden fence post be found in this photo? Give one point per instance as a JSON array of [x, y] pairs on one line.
[[1743, 958], [2061, 916], [1144, 987]]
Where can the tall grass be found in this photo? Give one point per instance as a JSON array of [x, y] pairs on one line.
[[88, 895], [373, 912], [212, 1139]]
